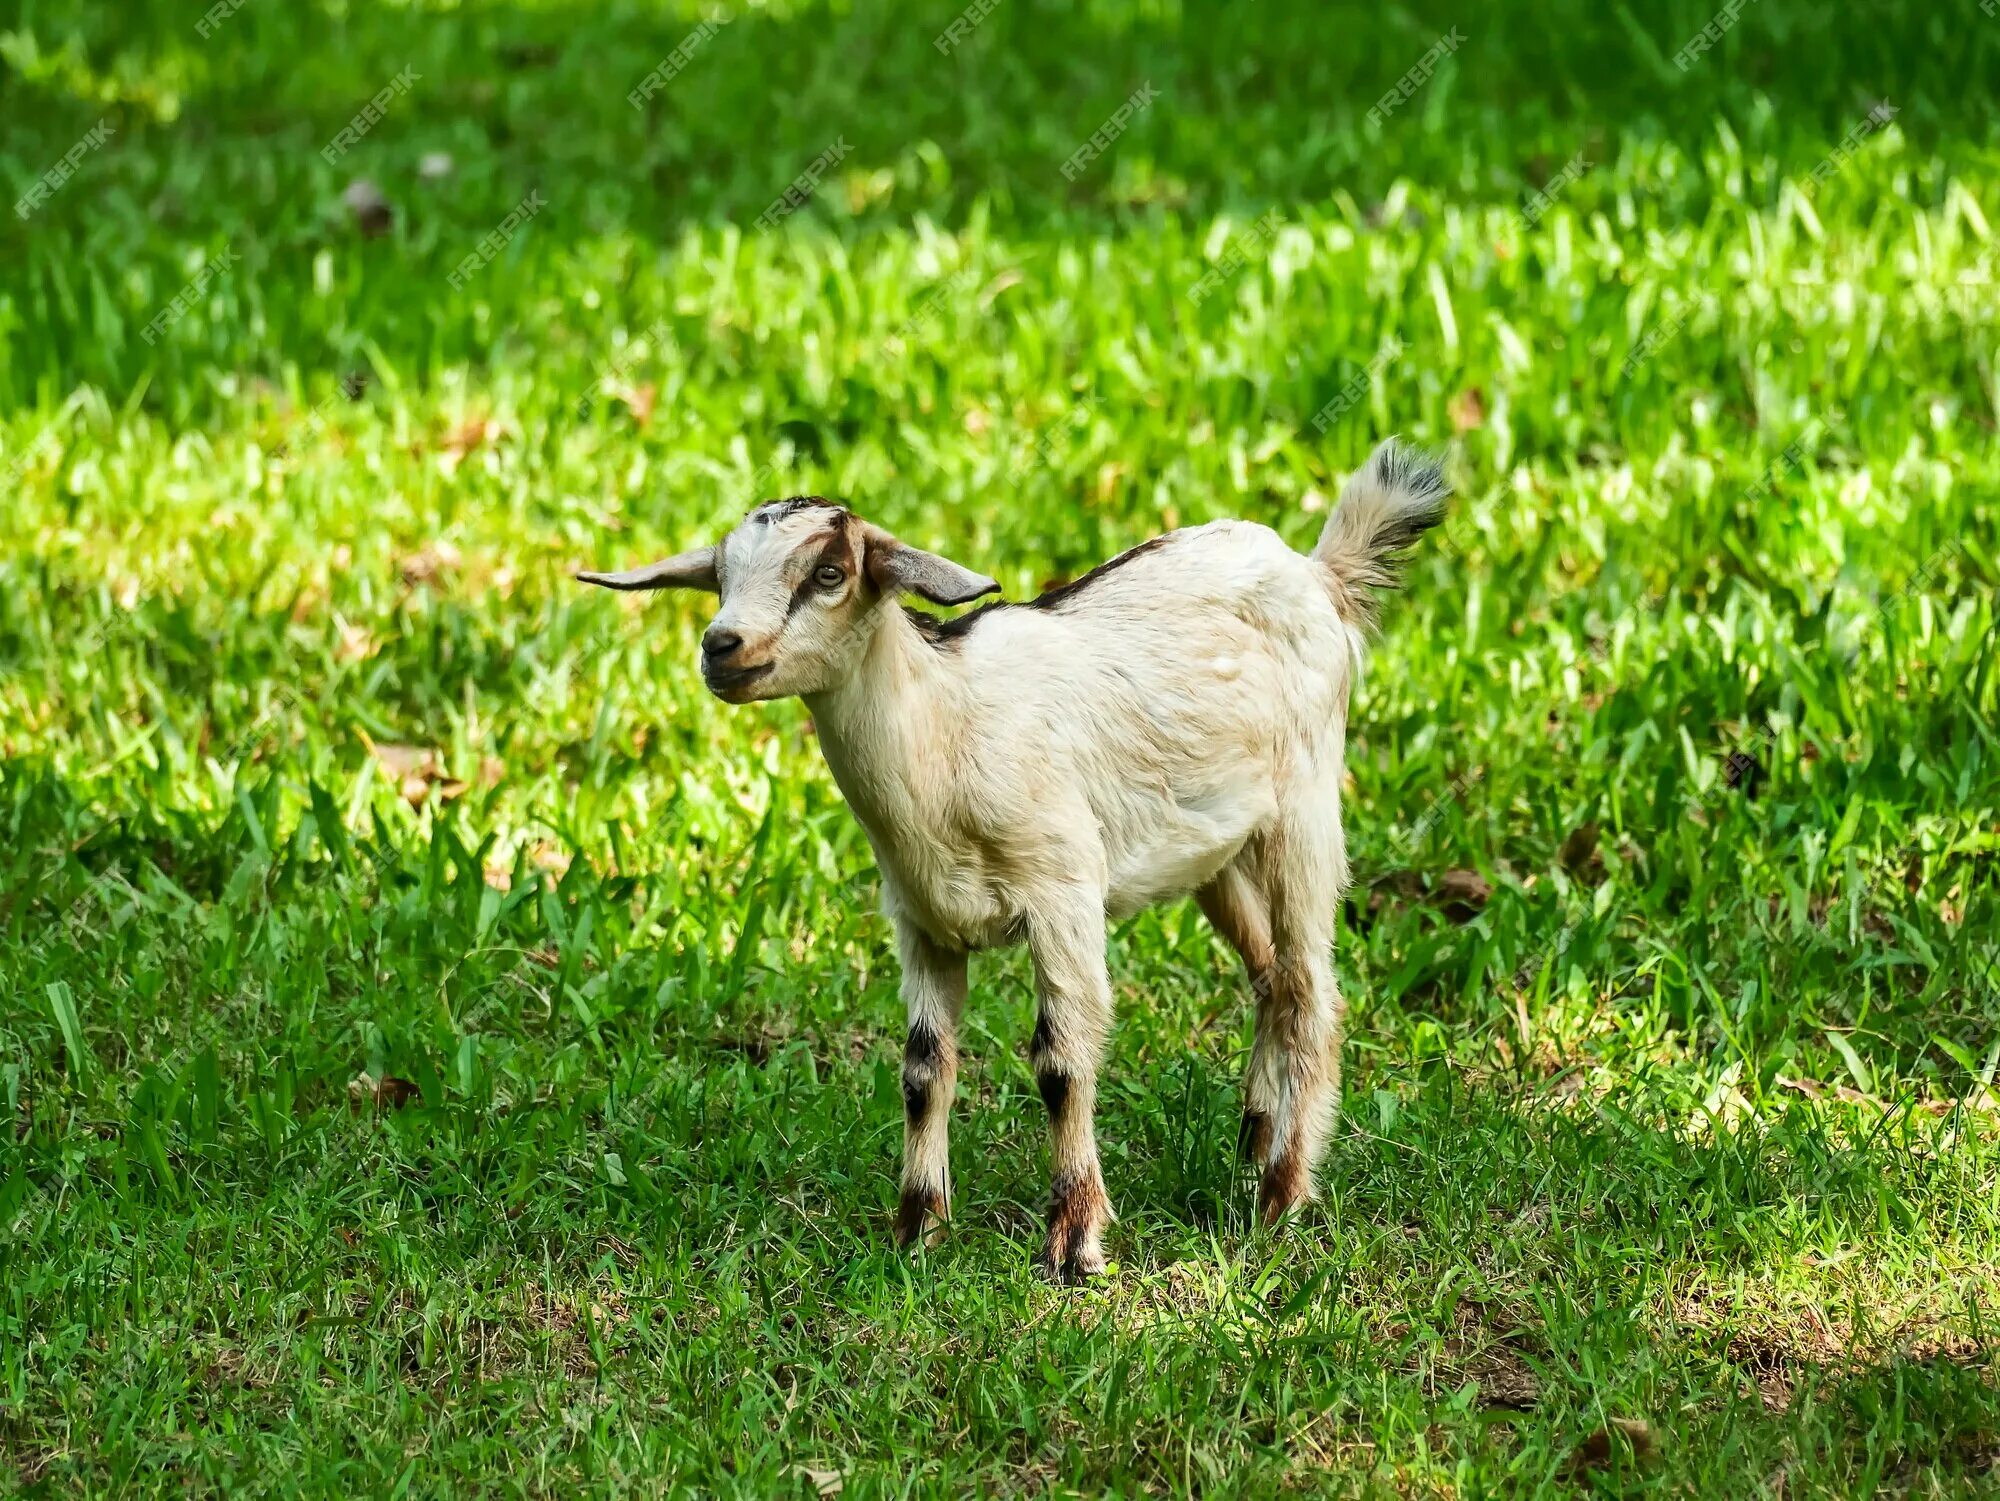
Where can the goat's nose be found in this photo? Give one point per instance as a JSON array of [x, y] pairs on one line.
[[718, 645]]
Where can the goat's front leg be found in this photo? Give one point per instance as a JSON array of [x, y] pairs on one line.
[[1072, 1024], [934, 994]]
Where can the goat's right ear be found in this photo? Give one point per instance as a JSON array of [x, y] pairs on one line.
[[685, 570], [896, 567]]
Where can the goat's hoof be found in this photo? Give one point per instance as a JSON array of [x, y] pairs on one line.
[[1071, 1266], [1274, 1212], [1284, 1188], [920, 1218]]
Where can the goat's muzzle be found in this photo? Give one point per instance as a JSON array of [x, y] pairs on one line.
[[726, 683], [722, 667]]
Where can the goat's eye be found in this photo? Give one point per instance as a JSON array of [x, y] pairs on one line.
[[830, 577]]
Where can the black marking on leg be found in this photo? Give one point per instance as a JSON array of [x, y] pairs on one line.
[[921, 1052], [922, 1046], [1253, 1138], [1054, 1085], [1044, 1037]]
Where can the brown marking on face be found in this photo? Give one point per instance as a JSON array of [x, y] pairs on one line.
[[836, 550]]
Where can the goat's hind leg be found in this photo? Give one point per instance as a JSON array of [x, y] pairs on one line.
[[934, 995], [1303, 862], [1236, 908]]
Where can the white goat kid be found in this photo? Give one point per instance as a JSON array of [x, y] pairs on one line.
[[1172, 722]]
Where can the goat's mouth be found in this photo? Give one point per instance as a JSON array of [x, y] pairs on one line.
[[726, 681]]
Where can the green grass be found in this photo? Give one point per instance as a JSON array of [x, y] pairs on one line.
[[1669, 1095]]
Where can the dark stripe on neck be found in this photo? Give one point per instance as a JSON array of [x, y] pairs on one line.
[[946, 635]]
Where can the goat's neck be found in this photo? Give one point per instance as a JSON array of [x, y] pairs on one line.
[[885, 731]]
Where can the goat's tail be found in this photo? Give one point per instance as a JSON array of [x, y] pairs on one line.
[[1393, 499]]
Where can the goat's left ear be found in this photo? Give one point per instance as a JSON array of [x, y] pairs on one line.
[[897, 568]]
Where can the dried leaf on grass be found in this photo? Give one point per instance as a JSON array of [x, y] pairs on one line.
[[1597, 1449], [429, 562], [1467, 410], [1580, 848], [385, 1093], [415, 771], [826, 1482], [1461, 893]]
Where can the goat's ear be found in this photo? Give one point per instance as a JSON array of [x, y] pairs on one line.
[[897, 568], [686, 570]]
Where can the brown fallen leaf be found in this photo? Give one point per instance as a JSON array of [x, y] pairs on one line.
[[468, 435], [640, 400], [429, 563], [1847, 1094], [1467, 410], [1461, 893], [415, 771], [1596, 1450], [550, 857], [356, 644], [386, 1093], [400, 761], [1580, 849]]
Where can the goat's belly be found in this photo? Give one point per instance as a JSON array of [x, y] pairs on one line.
[[1180, 847]]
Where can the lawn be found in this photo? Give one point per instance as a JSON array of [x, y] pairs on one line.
[[444, 1051]]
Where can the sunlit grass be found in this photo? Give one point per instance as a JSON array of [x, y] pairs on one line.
[[1670, 1078]]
